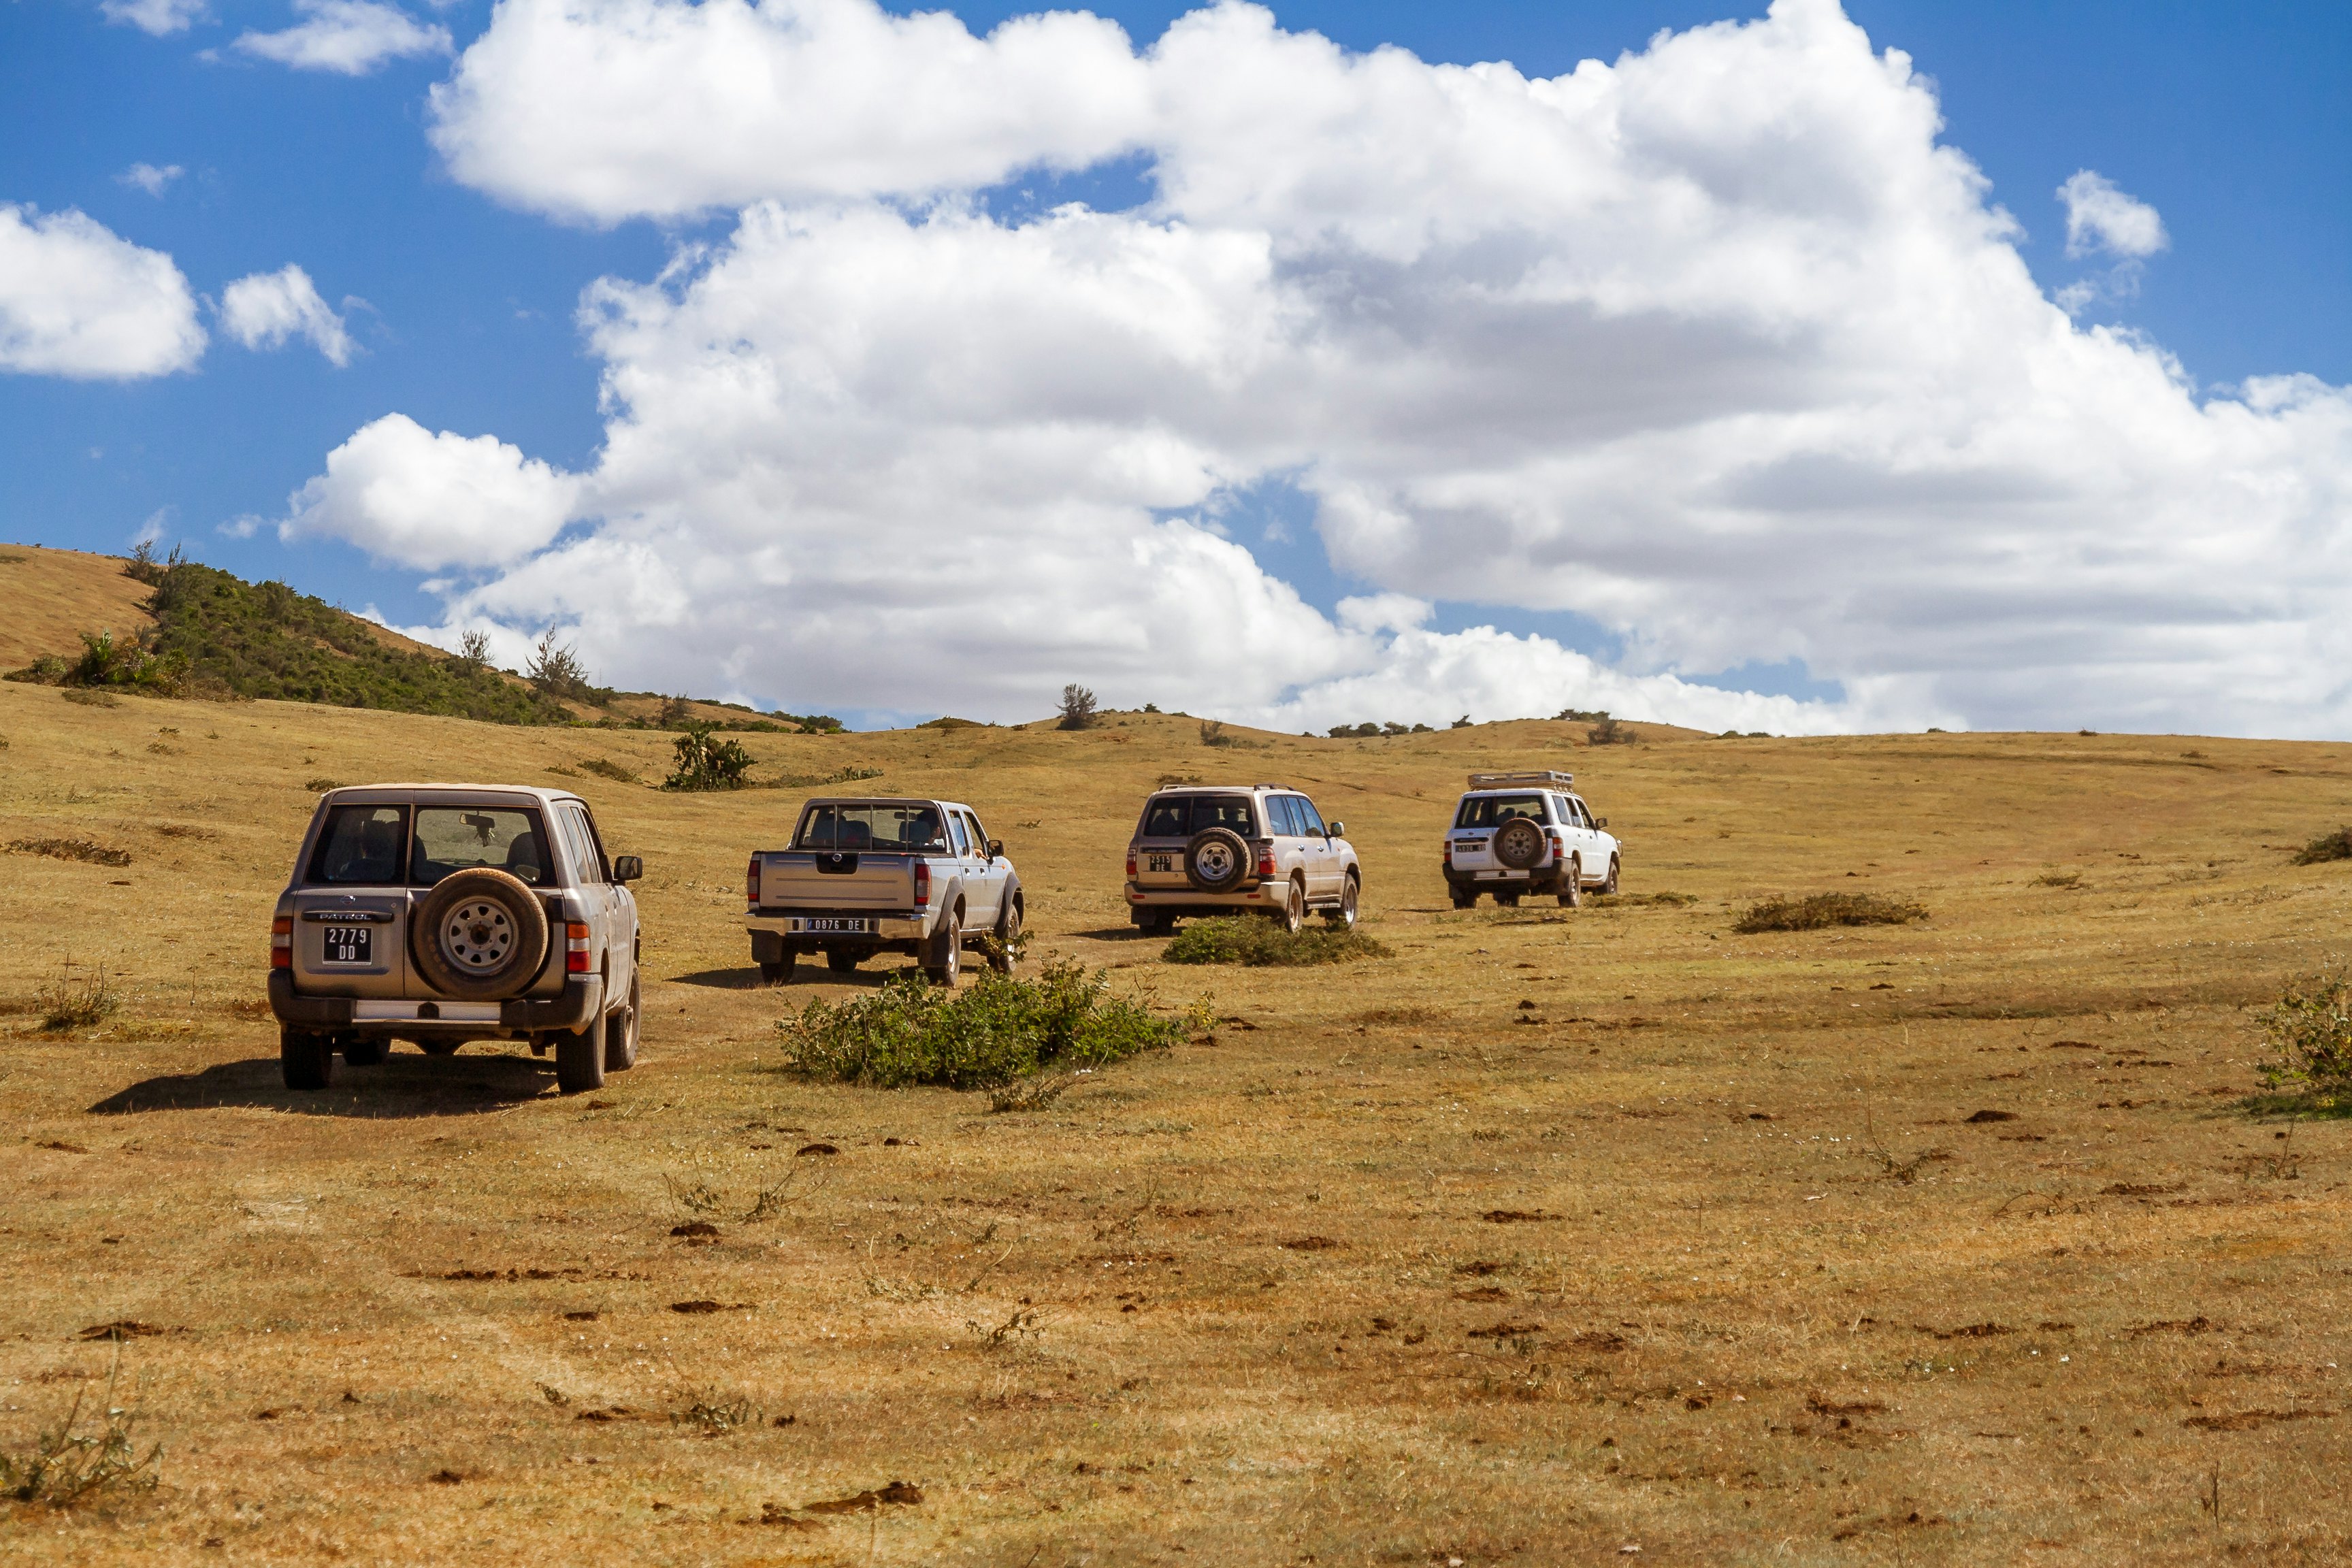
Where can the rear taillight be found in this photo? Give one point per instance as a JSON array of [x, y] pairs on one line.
[[1558, 846], [282, 943], [922, 883], [1449, 852], [1266, 862], [1131, 865], [752, 882], [575, 948]]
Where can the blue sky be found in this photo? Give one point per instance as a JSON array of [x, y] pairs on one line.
[[2232, 122]]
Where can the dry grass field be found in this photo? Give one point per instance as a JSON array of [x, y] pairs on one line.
[[1555, 1236]]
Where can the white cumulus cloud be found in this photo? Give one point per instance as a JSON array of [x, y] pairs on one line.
[[264, 309], [403, 493], [1716, 346], [78, 300], [350, 38], [148, 178], [2099, 217], [161, 18]]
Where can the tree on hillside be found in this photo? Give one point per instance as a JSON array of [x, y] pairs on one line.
[[474, 651], [555, 667], [1077, 708]]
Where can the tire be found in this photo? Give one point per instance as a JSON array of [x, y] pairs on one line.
[[1571, 884], [1610, 885], [579, 1059], [621, 1033], [842, 961], [306, 1058], [479, 936], [1507, 900], [946, 957], [1151, 923], [1463, 900], [1216, 860], [439, 1047], [1293, 913], [1008, 931], [367, 1051], [778, 972], [1344, 917], [1518, 845]]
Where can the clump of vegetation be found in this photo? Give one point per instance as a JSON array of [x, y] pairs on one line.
[[1823, 910], [1583, 715], [605, 768], [2335, 845], [2309, 1032], [89, 698], [839, 775], [1077, 708], [66, 1467], [704, 763], [2059, 880], [557, 670], [1212, 733], [995, 1031], [1374, 731], [1609, 732], [1634, 901], [146, 566], [66, 1003], [1250, 940], [88, 849], [1037, 1093]]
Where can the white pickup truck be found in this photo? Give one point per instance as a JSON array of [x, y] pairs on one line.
[[866, 876]]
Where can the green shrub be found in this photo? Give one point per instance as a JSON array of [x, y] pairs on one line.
[[1257, 942], [2309, 1032], [605, 768], [2335, 845], [1825, 909], [994, 1031], [707, 764]]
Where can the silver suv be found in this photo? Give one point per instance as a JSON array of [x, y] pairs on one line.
[[1211, 849], [1515, 833], [441, 913]]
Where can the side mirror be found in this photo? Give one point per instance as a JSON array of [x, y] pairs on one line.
[[1337, 830], [627, 867], [997, 848]]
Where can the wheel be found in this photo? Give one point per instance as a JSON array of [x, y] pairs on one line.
[[306, 1058], [946, 957], [1293, 913], [1465, 901], [1344, 917], [621, 1033], [1610, 885], [1510, 900], [1008, 931], [479, 935], [778, 972], [367, 1051], [1518, 845], [439, 1047], [580, 1058], [1216, 860], [1151, 923], [1571, 884], [842, 961]]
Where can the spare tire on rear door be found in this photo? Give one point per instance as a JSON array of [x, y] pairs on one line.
[[479, 936], [1216, 860], [1518, 844]]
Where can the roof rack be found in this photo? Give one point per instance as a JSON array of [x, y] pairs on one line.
[[1543, 779]]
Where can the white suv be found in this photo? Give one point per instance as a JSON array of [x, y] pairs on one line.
[[1526, 833]]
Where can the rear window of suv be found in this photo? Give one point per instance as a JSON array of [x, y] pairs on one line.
[[1183, 815], [1494, 810], [362, 847], [460, 838]]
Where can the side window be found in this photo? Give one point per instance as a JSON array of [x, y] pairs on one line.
[[1309, 819], [956, 833], [1583, 818], [593, 864], [979, 834], [1278, 813]]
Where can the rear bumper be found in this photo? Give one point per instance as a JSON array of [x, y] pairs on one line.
[[1180, 900], [794, 927], [580, 1000]]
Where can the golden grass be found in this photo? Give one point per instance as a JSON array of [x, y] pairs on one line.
[[1554, 1233], [52, 597]]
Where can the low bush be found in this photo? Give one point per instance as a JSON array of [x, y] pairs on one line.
[[605, 768], [1823, 910], [87, 849], [996, 1030], [2309, 1032], [66, 1003], [1256, 943], [1611, 732], [707, 764], [2335, 845], [66, 1466]]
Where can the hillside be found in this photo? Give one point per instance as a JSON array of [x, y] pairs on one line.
[[50, 598], [1551, 1233]]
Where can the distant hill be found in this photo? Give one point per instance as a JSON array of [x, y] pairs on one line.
[[179, 628]]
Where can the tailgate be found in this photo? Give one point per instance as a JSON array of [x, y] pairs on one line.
[[1160, 864], [1471, 851], [792, 881]]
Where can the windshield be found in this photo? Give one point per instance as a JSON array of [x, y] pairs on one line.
[[893, 829], [460, 838], [1494, 810], [1183, 815]]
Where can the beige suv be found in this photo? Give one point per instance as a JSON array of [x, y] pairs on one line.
[[441, 913], [1211, 849]]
